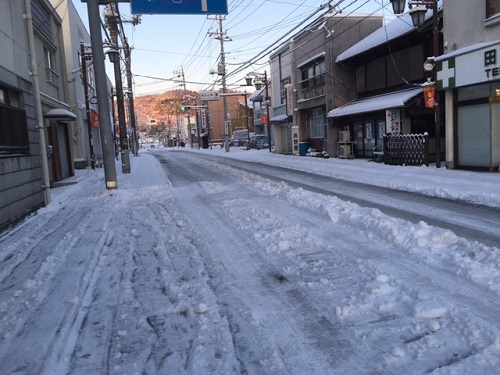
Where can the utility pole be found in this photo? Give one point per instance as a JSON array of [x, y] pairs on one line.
[[186, 101], [268, 104], [107, 134], [87, 57], [111, 19], [130, 94], [221, 35]]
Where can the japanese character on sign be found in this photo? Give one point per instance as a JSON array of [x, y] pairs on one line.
[[490, 57]]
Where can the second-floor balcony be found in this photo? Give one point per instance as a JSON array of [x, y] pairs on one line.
[[313, 87]]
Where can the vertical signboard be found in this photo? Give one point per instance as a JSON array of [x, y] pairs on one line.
[[393, 120], [430, 96], [203, 119], [289, 100]]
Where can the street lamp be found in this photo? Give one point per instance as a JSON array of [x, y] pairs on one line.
[[418, 10], [114, 55], [259, 77], [398, 6]]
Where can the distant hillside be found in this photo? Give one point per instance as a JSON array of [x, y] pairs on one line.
[[160, 107]]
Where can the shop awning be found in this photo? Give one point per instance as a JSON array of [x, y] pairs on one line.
[[396, 99], [60, 114], [279, 118]]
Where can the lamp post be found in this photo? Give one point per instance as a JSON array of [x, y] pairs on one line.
[[418, 10], [267, 100]]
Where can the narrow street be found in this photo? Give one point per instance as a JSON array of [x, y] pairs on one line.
[[194, 266]]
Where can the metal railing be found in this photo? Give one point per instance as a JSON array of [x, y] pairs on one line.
[[406, 149]]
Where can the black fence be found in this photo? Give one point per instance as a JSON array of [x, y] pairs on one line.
[[406, 149]]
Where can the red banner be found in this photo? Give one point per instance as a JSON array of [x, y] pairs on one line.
[[264, 119], [430, 96], [94, 120]]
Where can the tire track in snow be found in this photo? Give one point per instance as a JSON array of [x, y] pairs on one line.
[[52, 296], [239, 287]]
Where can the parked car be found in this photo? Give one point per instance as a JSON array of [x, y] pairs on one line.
[[259, 141]]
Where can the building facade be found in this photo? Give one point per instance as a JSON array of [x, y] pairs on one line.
[[307, 82], [469, 74], [284, 136], [78, 56], [388, 75], [36, 148], [21, 174], [57, 113]]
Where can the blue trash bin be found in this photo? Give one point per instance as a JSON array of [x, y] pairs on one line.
[[303, 146]]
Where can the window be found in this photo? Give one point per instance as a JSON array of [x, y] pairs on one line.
[[492, 8], [316, 120], [50, 69], [41, 18], [13, 125], [313, 75]]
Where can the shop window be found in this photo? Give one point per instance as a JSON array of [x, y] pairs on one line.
[[316, 120], [13, 125], [381, 129], [492, 8]]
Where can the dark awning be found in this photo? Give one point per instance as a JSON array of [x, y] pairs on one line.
[[60, 114]]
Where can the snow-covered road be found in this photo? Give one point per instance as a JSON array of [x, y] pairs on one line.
[[196, 267]]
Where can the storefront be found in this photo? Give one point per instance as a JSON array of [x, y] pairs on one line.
[[367, 120], [281, 134], [470, 78]]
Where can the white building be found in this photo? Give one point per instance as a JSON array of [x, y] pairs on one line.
[[469, 73]]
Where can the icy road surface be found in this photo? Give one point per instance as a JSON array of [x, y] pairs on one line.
[[196, 267]]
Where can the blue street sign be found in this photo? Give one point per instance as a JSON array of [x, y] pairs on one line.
[[178, 6]]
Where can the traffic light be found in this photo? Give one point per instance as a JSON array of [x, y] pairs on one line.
[[185, 108], [151, 121]]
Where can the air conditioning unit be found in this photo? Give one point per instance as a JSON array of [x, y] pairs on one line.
[[344, 136], [344, 151]]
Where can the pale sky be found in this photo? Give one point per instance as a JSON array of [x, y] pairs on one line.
[[165, 45]]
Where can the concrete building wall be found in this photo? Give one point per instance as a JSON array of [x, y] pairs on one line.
[[466, 27], [463, 22], [74, 32], [326, 39], [20, 175]]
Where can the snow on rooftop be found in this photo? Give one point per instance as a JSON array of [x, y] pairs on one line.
[[397, 28], [393, 100]]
